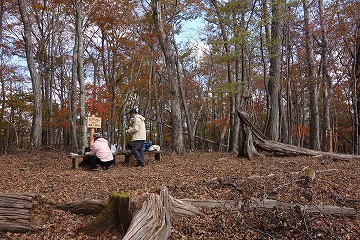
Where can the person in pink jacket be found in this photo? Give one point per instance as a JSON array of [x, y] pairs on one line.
[[100, 154]]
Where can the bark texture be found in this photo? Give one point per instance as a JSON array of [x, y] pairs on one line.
[[255, 142], [15, 212], [169, 51], [116, 216], [35, 77]]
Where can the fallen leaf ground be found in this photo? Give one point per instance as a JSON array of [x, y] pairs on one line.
[[199, 175]]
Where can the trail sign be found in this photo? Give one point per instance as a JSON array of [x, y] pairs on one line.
[[94, 122]]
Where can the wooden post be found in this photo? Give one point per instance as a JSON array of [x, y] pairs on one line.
[[91, 139], [92, 123], [329, 140], [75, 162], [158, 156]]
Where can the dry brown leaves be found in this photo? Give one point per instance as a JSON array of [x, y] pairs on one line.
[[199, 175]]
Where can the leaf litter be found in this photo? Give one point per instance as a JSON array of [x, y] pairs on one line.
[[198, 175]]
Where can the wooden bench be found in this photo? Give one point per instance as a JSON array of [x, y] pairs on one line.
[[129, 156], [75, 159]]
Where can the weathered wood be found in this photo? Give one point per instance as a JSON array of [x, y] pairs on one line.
[[270, 203], [15, 212], [249, 147], [116, 216], [91, 207], [152, 222], [75, 159], [129, 157], [183, 208], [255, 138]]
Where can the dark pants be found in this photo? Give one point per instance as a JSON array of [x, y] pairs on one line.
[[137, 148], [92, 161]]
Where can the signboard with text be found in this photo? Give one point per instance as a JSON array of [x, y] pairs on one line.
[[94, 122]]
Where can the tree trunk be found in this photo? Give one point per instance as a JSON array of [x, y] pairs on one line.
[[74, 146], [313, 85], [170, 61], [327, 82], [255, 138], [2, 80], [233, 134], [36, 136], [116, 216], [186, 110], [79, 35], [288, 86], [356, 76], [273, 123]]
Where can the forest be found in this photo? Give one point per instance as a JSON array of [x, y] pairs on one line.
[[254, 103], [293, 66]]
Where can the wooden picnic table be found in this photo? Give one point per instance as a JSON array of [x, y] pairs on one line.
[[76, 158]]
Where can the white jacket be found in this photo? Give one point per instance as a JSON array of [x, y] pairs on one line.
[[138, 130]]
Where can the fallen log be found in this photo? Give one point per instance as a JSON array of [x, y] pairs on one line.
[[255, 140], [15, 212], [270, 204], [153, 220], [91, 207]]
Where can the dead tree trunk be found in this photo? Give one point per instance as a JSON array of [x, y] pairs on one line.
[[91, 207], [153, 219], [255, 142], [270, 204], [116, 216], [14, 212]]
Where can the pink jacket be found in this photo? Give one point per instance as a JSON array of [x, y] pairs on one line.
[[100, 148]]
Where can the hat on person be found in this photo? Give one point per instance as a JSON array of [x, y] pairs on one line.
[[133, 110], [96, 135]]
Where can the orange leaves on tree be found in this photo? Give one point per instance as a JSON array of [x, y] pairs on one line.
[[98, 100], [300, 130], [62, 117], [221, 123]]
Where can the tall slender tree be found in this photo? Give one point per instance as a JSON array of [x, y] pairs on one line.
[[168, 49], [313, 83], [79, 35], [273, 38], [35, 78]]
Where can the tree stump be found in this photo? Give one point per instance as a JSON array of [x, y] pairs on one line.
[[153, 220], [117, 216]]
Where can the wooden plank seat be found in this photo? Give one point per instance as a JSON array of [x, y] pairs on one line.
[[129, 157], [75, 159]]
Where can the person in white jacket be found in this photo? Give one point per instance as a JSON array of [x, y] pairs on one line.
[[138, 136]]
